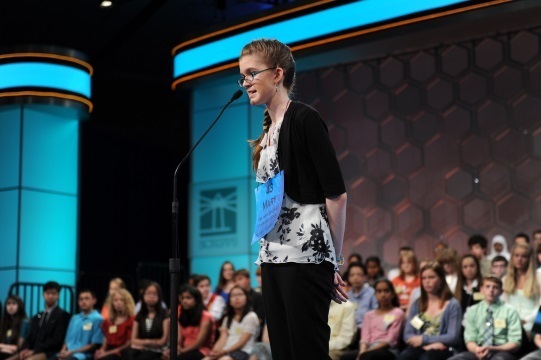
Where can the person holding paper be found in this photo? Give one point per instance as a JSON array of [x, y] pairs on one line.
[[300, 252]]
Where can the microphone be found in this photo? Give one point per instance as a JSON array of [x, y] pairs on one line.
[[174, 263], [236, 95]]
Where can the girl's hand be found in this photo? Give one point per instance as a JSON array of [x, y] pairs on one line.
[[415, 341], [338, 293]]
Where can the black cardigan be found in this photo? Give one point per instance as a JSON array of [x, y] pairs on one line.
[[307, 156]]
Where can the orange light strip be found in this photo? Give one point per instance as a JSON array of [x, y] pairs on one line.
[[49, 94], [347, 36], [248, 23], [50, 56]]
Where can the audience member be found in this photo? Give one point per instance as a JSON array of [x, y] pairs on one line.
[[84, 334], [433, 327], [225, 281], [492, 328], [403, 251], [383, 326], [478, 247], [498, 248], [151, 326], [536, 331], [467, 291], [142, 285], [499, 266], [438, 248], [242, 279], [114, 284], [48, 328], [258, 279], [536, 235], [407, 280], [15, 327], [239, 329], [360, 294], [214, 303], [520, 286], [343, 328], [374, 270], [448, 258], [354, 257], [521, 238], [118, 325], [196, 326]]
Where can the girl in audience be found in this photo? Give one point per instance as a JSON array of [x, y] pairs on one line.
[[433, 327], [225, 281], [520, 285], [151, 326], [15, 327], [382, 327], [448, 259], [214, 303], [374, 270], [118, 325], [407, 280], [468, 284], [239, 329], [353, 258], [114, 284], [195, 329]]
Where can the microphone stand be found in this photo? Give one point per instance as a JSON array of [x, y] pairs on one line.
[[174, 263]]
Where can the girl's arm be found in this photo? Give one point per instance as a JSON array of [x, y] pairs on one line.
[[135, 341], [204, 332], [453, 314], [10, 349], [163, 340], [221, 340]]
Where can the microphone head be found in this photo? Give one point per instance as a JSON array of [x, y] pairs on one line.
[[236, 95]]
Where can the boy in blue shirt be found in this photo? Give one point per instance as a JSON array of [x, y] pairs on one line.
[[84, 334]]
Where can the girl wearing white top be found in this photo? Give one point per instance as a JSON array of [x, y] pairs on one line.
[[239, 329], [521, 286]]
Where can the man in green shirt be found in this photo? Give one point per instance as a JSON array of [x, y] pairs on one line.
[[492, 328]]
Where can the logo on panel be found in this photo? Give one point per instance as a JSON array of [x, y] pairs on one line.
[[218, 218]]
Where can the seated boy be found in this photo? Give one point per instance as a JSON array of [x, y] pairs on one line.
[[492, 328], [48, 328], [84, 334], [499, 266]]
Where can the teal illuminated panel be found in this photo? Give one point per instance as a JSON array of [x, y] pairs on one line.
[[218, 218], [50, 151], [10, 132], [210, 266], [52, 76], [48, 236], [43, 276], [303, 28], [224, 152], [7, 277], [9, 209]]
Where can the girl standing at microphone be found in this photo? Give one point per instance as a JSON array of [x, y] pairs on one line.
[[299, 257]]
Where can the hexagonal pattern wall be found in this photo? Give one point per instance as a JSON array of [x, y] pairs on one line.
[[437, 144]]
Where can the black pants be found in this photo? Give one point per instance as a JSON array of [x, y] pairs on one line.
[[382, 354], [297, 299], [418, 353], [135, 354]]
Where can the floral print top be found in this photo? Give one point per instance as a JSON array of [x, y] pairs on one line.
[[301, 233]]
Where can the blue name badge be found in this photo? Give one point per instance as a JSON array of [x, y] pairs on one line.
[[268, 200]]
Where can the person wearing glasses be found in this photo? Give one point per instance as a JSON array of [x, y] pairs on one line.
[[299, 257]]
